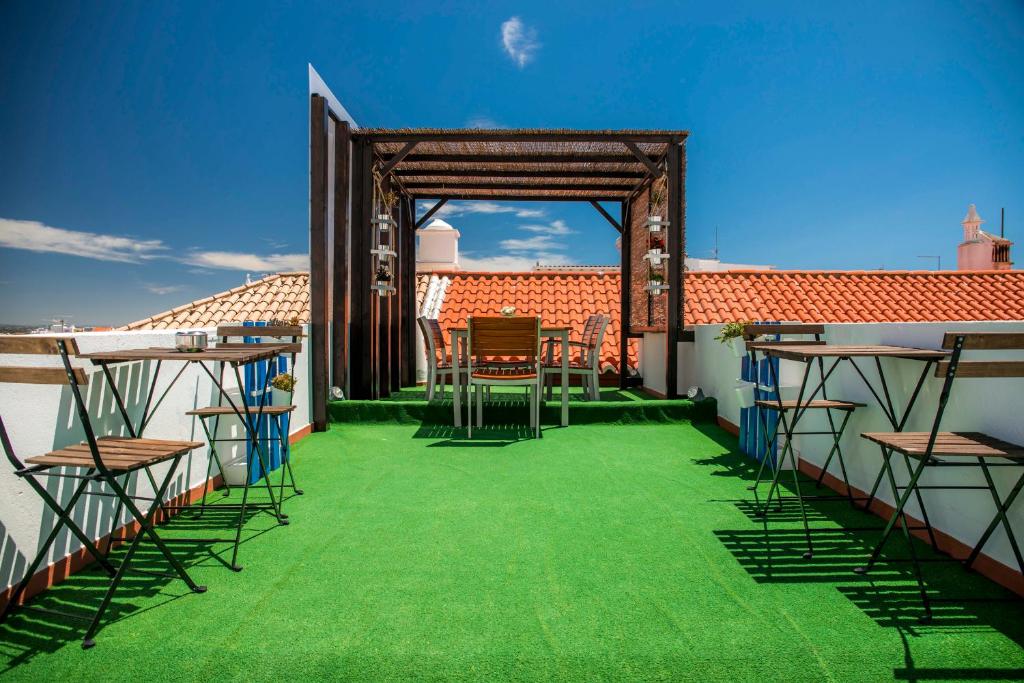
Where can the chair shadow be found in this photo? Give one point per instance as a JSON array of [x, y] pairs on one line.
[[27, 632], [488, 436], [772, 550]]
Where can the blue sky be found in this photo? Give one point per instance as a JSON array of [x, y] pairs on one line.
[[154, 153]]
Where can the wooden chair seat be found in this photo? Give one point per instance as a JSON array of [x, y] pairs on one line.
[[962, 444], [817, 404], [119, 454], [503, 374], [212, 411]]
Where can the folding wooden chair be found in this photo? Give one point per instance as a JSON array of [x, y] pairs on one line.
[[788, 414], [587, 365], [955, 449], [440, 363], [287, 337], [491, 342], [97, 460]]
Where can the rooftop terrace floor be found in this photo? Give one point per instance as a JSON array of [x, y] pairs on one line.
[[597, 552]]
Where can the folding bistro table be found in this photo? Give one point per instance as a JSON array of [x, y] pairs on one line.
[[460, 335], [828, 357], [251, 417]]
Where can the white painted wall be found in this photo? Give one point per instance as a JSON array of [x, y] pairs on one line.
[[40, 418], [987, 405]]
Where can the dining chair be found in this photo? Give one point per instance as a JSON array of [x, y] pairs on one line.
[[495, 340], [587, 364], [440, 363]]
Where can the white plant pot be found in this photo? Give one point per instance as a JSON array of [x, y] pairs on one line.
[[738, 346], [744, 393], [280, 397], [235, 472]]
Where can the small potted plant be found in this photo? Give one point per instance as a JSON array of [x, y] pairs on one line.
[[655, 282], [732, 334], [383, 277], [388, 200], [657, 199], [281, 389]]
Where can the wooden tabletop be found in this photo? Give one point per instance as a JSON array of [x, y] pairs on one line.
[[807, 352], [234, 355], [545, 329]]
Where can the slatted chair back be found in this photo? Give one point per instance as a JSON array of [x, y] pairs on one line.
[[495, 339], [66, 348], [815, 330], [593, 337], [958, 342], [433, 337]]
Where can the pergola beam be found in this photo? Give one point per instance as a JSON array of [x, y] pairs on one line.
[[481, 135], [525, 173], [612, 187], [607, 216], [499, 197], [434, 209], [646, 160], [516, 158], [397, 158]]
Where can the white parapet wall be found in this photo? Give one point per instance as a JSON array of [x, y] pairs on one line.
[[41, 418], [990, 405]]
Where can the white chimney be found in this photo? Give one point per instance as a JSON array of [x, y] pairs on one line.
[[439, 247]]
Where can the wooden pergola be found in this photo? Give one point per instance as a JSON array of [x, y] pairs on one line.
[[365, 343]]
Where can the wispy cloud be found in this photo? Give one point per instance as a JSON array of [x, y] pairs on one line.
[[512, 263], [555, 227], [232, 260], [38, 237], [453, 209], [538, 243], [482, 122], [35, 236], [519, 41], [163, 289]]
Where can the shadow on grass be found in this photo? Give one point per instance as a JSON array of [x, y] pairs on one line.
[[488, 436], [772, 550], [150, 580]]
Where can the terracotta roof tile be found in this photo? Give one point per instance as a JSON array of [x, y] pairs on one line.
[[567, 297]]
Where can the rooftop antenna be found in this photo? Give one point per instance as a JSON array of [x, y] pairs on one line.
[[716, 243], [938, 261]]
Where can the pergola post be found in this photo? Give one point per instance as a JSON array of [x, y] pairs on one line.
[[676, 249], [340, 299], [625, 293], [318, 334], [361, 355], [409, 312]]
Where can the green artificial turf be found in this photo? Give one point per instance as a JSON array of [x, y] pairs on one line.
[[596, 553], [509, 405]]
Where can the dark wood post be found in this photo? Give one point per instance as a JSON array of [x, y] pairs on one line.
[[675, 269], [360, 328], [318, 334], [409, 306], [340, 300], [625, 293]]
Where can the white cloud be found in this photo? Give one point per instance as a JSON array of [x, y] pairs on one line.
[[454, 209], [556, 227], [231, 260], [163, 289], [35, 236], [540, 242], [482, 122], [519, 41]]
